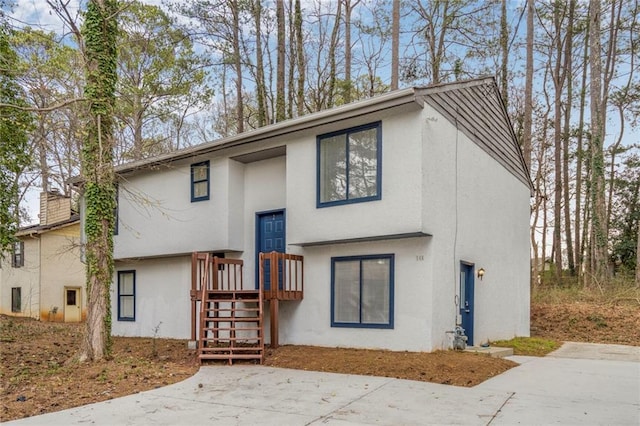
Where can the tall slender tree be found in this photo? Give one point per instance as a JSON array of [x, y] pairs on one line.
[[99, 32]]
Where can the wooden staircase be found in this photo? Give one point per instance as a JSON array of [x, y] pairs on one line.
[[230, 320], [226, 318]]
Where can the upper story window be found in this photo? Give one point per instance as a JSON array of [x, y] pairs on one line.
[[200, 181], [349, 165], [17, 256]]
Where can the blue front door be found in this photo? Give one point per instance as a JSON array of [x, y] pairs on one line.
[[466, 300], [270, 235]]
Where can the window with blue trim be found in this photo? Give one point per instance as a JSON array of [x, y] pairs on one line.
[[126, 295], [200, 181], [362, 291], [348, 166]]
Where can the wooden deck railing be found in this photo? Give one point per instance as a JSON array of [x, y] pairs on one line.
[[286, 272], [211, 273]]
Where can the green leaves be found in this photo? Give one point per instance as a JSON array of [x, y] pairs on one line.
[[15, 125]]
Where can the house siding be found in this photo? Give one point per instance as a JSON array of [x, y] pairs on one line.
[[61, 267], [26, 277], [399, 209], [437, 181], [162, 304], [479, 214], [308, 322]]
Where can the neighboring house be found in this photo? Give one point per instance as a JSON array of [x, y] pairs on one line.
[[42, 277], [410, 209]]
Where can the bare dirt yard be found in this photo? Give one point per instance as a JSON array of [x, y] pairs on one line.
[[39, 375]]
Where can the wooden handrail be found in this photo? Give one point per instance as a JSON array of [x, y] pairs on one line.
[[288, 266]]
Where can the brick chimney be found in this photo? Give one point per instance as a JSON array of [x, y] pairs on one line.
[[54, 207]]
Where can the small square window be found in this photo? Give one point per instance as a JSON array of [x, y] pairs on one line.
[[362, 291], [200, 181], [126, 295]]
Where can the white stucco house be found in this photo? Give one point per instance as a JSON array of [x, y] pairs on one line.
[[410, 209]]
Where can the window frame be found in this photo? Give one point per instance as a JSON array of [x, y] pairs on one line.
[[121, 295], [375, 125], [390, 324], [17, 255], [13, 299], [194, 181]]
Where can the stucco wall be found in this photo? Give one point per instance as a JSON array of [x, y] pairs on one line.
[[26, 277], [162, 298], [155, 208], [308, 322], [398, 210], [61, 267], [264, 190], [478, 213]]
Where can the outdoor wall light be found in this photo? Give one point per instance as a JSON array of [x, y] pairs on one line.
[[480, 273]]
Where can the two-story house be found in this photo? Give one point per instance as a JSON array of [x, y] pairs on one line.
[[42, 276], [410, 211]]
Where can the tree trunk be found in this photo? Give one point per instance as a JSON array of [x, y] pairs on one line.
[[504, 47], [528, 88], [291, 80], [300, 62], [598, 207], [558, 83], [237, 63], [260, 83], [568, 60], [332, 57], [348, 8], [395, 44], [638, 258], [100, 32], [280, 100], [579, 246]]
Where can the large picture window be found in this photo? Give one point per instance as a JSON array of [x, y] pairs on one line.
[[200, 181], [126, 295], [362, 291], [349, 165]]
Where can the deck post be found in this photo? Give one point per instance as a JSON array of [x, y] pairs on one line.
[[194, 289], [273, 308]]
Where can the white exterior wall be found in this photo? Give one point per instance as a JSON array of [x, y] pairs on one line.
[[161, 298], [26, 277], [429, 172], [399, 209], [308, 322], [264, 190], [61, 267], [479, 213], [156, 215]]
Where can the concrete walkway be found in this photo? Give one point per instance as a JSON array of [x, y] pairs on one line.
[[580, 384]]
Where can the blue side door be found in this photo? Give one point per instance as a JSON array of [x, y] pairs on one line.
[[466, 300], [270, 236]]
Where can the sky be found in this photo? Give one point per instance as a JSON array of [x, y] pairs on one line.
[[38, 13]]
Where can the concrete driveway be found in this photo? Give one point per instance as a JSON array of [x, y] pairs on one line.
[[581, 384]]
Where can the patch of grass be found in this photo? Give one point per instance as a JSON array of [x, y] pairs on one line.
[[619, 290], [531, 346]]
